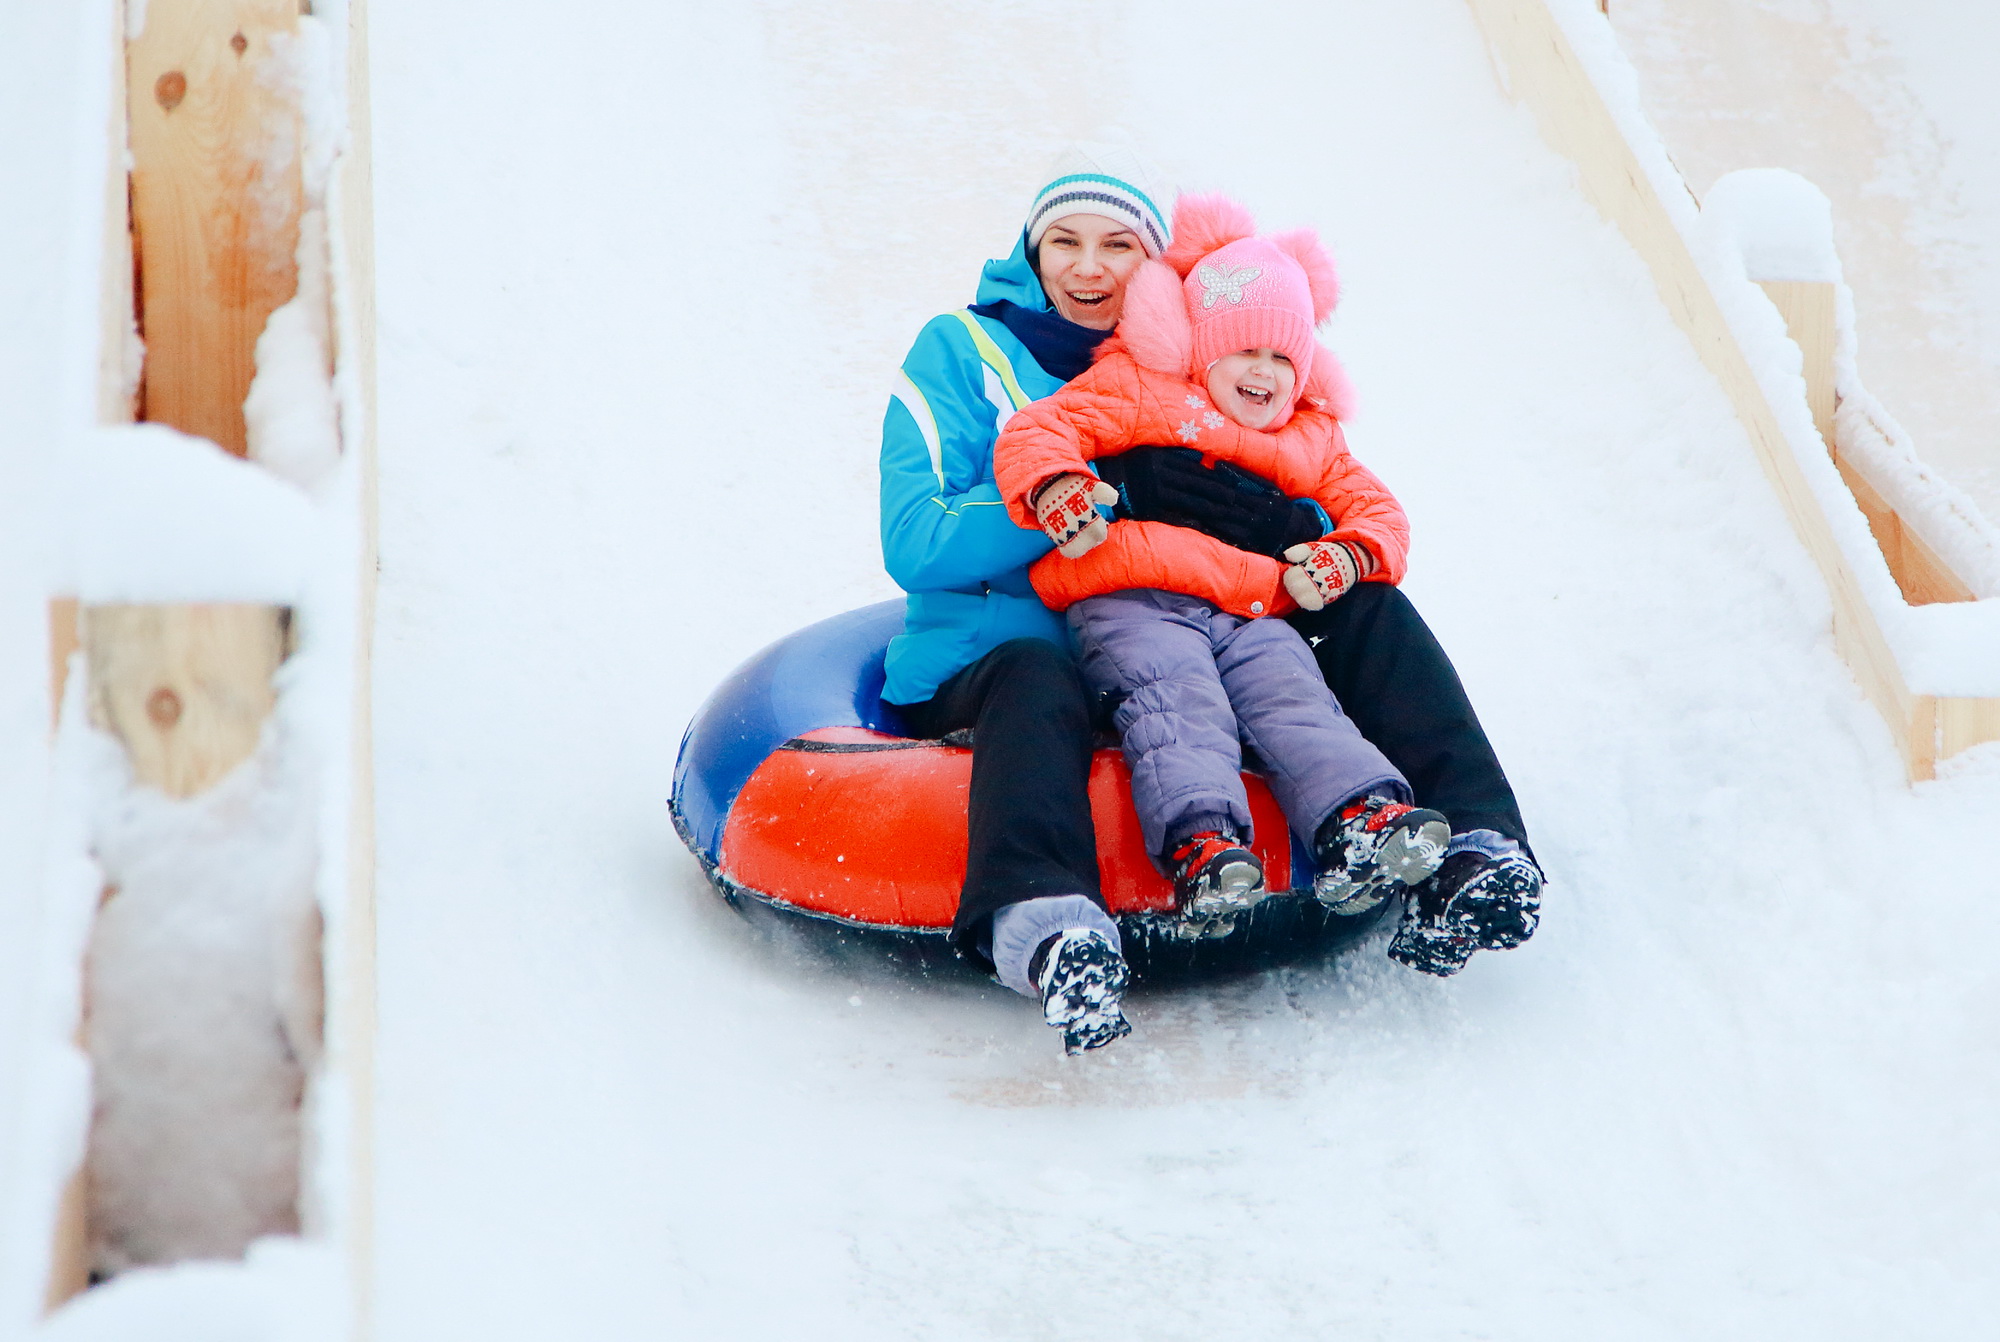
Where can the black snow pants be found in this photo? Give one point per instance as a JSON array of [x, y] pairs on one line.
[[1392, 677], [1028, 824]]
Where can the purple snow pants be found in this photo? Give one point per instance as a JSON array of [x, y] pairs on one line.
[[1198, 685]]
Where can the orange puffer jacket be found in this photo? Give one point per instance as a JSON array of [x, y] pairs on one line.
[[1118, 404]]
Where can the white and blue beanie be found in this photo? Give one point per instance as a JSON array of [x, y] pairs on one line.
[[1107, 181]]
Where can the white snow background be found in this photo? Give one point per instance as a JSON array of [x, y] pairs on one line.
[[644, 272]]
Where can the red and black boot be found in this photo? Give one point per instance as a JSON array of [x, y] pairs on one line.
[[1215, 876], [1373, 848]]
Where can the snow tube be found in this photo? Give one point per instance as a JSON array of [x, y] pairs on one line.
[[801, 794]]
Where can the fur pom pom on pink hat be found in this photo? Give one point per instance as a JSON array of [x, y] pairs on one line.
[[1220, 288]]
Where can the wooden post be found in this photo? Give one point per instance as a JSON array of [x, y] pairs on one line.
[[215, 202], [1808, 307]]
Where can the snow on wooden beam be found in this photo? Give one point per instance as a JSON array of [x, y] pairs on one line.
[[207, 107], [1537, 66], [1809, 310]]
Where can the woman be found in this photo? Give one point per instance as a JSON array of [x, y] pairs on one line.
[[978, 649]]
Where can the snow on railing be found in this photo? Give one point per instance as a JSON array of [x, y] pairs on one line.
[[1932, 668], [1939, 610]]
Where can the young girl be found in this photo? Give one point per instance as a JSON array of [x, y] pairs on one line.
[[1216, 351]]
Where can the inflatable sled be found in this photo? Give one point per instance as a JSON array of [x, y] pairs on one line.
[[801, 795]]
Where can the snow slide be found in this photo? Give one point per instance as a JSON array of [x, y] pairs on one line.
[[644, 273]]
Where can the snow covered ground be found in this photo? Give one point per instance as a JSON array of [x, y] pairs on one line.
[[644, 274], [643, 277]]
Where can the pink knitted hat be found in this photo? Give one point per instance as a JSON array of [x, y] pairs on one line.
[[1250, 295], [1236, 291]]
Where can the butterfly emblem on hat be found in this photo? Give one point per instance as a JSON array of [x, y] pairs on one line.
[[1224, 282]]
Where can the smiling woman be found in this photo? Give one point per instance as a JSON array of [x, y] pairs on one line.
[[1085, 260], [978, 649]]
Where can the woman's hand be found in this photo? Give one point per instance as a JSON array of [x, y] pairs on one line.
[[1322, 571], [1237, 507], [1066, 507]]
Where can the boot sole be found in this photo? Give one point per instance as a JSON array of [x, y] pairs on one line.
[[1407, 856], [1236, 886], [1430, 951], [1503, 908], [1085, 996]]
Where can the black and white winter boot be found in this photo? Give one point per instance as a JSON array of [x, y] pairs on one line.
[[1476, 902], [1215, 876], [1082, 980], [1373, 847]]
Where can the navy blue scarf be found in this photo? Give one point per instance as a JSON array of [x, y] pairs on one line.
[[1059, 345]]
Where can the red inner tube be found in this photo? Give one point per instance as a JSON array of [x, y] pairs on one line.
[[870, 828]]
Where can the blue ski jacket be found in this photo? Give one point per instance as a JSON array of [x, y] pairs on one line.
[[946, 536]]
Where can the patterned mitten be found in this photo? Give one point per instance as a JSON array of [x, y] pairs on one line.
[[1322, 571], [1067, 509]]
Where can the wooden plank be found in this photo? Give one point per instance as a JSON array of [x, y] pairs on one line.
[[1923, 737], [117, 387], [69, 1267], [1963, 723], [1809, 308], [215, 202], [1920, 574], [62, 642], [355, 344], [185, 688], [1538, 66]]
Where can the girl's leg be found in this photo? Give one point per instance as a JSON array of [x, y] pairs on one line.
[[1313, 756], [1175, 722]]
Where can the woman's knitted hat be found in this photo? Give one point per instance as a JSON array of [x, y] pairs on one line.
[[1106, 181], [1219, 288]]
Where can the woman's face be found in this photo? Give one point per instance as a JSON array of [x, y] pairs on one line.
[[1085, 260], [1251, 386]]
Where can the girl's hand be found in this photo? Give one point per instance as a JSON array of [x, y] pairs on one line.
[[1066, 507], [1322, 571]]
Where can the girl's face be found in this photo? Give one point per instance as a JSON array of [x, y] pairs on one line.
[[1085, 261], [1251, 386]]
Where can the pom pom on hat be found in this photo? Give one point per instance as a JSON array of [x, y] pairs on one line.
[[1203, 224], [1108, 181]]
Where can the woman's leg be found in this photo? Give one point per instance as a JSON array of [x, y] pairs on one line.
[[1028, 821], [1388, 671]]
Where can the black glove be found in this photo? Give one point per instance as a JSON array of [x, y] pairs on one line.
[[1169, 484]]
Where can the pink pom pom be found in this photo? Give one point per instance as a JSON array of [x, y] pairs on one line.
[[1154, 324], [1303, 246], [1203, 223]]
